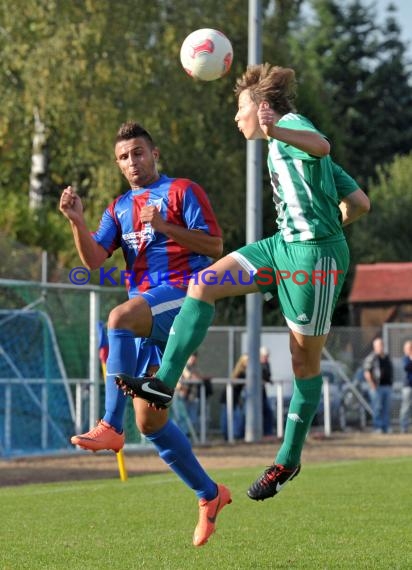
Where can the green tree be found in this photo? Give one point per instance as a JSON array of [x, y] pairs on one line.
[[87, 67], [360, 72], [385, 234]]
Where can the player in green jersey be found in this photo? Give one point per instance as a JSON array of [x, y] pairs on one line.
[[306, 261]]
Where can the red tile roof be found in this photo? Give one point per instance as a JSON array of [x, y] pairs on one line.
[[382, 282]]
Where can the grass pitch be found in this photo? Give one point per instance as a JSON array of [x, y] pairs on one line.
[[353, 515]]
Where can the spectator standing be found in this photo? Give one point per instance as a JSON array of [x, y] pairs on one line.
[[267, 411], [188, 390], [404, 414], [238, 373], [378, 370]]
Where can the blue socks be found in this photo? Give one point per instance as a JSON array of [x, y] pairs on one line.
[[171, 443], [122, 358], [175, 449]]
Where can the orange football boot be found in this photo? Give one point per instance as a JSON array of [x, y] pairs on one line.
[[103, 436], [208, 511]]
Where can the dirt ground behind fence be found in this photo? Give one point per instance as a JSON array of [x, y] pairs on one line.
[[84, 465]]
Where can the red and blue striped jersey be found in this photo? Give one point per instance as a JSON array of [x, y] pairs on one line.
[[152, 257]]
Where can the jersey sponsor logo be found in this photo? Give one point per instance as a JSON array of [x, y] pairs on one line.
[[136, 239], [156, 203]]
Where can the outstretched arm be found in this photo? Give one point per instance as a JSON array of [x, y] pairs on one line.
[[92, 254]]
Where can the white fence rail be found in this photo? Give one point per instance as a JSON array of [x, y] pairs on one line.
[[83, 386]]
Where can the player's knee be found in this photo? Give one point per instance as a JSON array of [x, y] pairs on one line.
[[298, 368], [304, 370], [302, 365], [201, 286], [306, 355], [117, 318], [151, 422]]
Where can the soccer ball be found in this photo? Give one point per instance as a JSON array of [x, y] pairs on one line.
[[206, 54]]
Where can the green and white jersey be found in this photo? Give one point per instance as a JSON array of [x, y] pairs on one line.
[[306, 189]]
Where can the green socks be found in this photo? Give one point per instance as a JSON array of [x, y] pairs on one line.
[[187, 333], [303, 405]]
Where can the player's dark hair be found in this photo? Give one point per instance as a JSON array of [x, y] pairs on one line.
[[132, 130], [274, 84]]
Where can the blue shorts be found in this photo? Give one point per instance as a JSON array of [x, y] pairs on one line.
[[165, 302], [148, 354]]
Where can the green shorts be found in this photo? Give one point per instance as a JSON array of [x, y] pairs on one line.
[[308, 277]]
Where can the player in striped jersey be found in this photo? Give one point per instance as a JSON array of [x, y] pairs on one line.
[[167, 231], [305, 262]]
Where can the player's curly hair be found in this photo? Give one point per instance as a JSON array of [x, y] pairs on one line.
[[274, 84], [133, 130]]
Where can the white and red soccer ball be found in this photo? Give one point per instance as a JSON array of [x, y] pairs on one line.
[[206, 54]]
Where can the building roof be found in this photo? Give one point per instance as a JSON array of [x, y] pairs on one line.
[[382, 282]]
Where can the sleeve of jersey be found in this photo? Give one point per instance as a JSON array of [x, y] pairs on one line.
[[198, 213], [344, 183], [108, 235], [298, 123]]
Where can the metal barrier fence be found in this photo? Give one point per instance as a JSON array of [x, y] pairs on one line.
[[73, 313]]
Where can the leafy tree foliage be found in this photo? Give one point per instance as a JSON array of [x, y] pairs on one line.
[[360, 71], [385, 234], [89, 65]]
